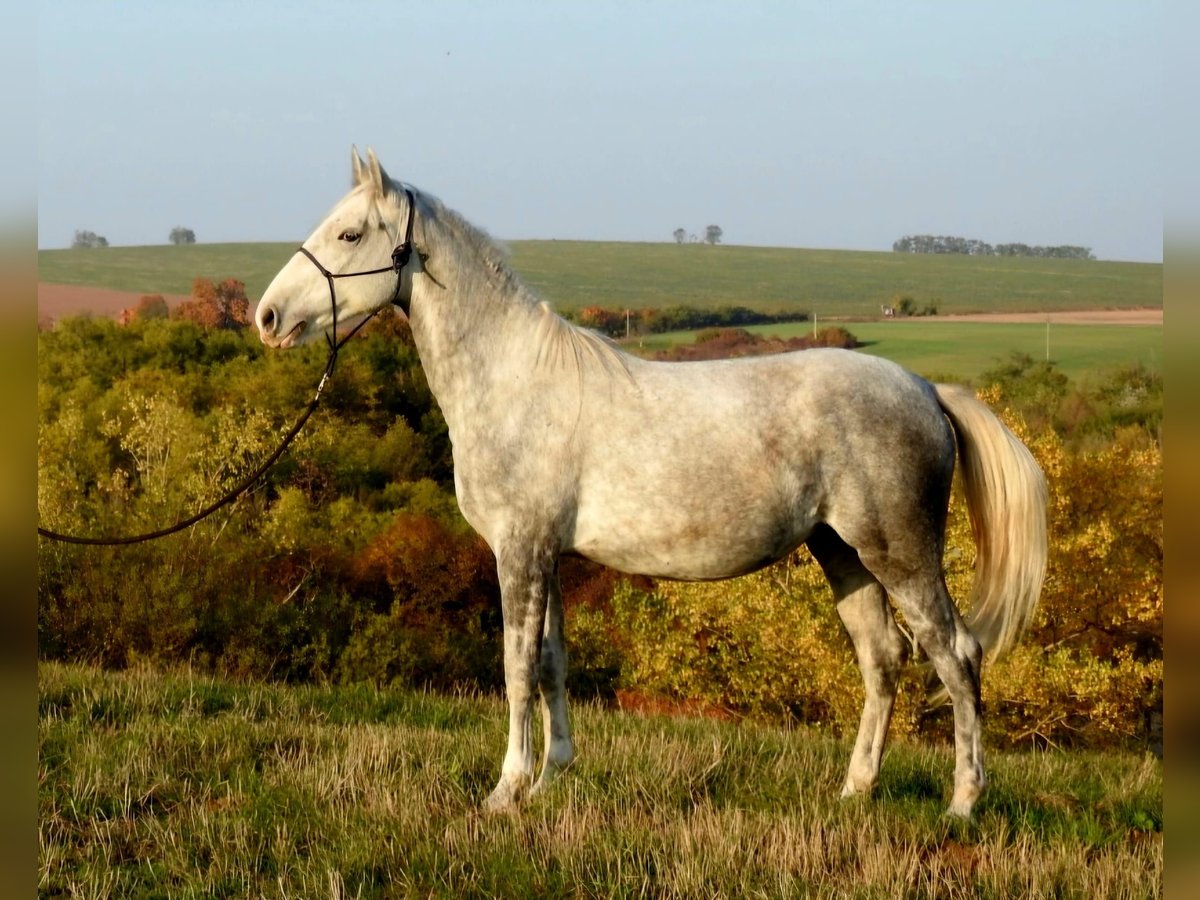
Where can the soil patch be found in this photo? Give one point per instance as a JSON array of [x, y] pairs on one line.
[[56, 301], [1067, 317]]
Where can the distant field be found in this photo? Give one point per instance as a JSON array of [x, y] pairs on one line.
[[573, 274], [831, 282], [965, 349], [165, 269]]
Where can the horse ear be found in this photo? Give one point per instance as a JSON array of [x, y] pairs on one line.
[[357, 166], [379, 178]]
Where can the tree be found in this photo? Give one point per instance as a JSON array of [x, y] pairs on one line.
[[222, 305], [941, 243], [181, 235], [680, 235], [712, 234], [151, 306], [88, 239]]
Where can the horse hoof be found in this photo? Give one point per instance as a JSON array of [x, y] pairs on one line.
[[506, 798], [854, 789]]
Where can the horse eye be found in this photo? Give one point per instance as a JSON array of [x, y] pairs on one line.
[[349, 236]]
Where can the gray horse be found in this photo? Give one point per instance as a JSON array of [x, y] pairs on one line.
[[565, 444]]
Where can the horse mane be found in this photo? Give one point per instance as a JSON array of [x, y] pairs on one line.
[[562, 343], [479, 257]]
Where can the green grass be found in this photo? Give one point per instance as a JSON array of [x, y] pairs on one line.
[[833, 282], [573, 274], [155, 784], [965, 349], [165, 269]]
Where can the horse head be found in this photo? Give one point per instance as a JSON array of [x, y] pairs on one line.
[[363, 235]]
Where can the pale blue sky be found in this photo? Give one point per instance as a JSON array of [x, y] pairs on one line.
[[839, 125]]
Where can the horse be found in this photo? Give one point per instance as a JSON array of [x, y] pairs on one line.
[[564, 444]]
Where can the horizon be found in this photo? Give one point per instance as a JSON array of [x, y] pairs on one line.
[[798, 126], [543, 240]]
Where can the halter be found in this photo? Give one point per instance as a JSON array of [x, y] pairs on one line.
[[400, 257]]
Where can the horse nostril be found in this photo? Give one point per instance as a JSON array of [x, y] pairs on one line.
[[267, 321]]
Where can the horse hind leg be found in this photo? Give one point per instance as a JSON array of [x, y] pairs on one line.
[[921, 594], [879, 645]]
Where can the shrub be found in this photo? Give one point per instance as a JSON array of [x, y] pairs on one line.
[[724, 343], [151, 306], [222, 305]]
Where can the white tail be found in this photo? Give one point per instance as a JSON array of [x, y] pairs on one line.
[[1006, 500]]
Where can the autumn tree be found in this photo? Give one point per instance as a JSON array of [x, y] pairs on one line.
[[222, 305], [151, 306], [606, 321]]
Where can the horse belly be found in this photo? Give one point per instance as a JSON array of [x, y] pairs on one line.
[[695, 538]]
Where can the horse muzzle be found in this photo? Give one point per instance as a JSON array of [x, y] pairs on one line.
[[269, 323]]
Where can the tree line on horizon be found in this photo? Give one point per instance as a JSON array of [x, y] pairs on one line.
[[712, 235], [941, 243], [86, 239]]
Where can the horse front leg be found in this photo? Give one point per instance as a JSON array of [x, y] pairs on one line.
[[524, 593], [559, 749]]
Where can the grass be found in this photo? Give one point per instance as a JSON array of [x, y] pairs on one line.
[[831, 282], [573, 274], [154, 784], [165, 269], [965, 349]]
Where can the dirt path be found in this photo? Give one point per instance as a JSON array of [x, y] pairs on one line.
[[1069, 317]]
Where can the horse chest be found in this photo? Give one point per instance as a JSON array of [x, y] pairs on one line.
[[498, 484]]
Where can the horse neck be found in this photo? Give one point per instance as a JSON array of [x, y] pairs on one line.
[[476, 320]]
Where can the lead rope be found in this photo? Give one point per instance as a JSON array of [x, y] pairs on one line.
[[400, 257]]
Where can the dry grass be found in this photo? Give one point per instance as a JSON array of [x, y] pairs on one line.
[[156, 784]]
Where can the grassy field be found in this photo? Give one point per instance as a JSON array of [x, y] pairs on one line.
[[831, 282], [154, 784], [573, 274], [166, 269], [965, 349]]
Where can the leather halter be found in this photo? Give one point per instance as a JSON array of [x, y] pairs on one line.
[[400, 257]]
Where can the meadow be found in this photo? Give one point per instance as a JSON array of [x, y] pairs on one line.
[[177, 784], [575, 274], [962, 350]]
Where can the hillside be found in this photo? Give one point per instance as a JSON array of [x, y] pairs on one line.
[[573, 274]]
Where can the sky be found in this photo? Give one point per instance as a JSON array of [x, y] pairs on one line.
[[837, 125]]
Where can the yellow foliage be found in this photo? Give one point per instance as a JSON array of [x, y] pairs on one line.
[[767, 644], [770, 643], [1040, 695]]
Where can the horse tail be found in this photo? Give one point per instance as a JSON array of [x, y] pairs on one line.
[[1006, 501]]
